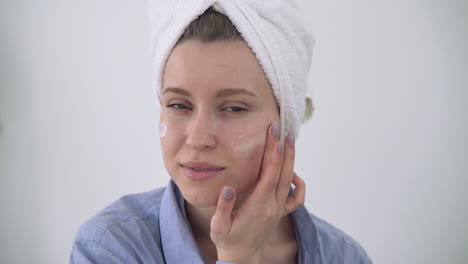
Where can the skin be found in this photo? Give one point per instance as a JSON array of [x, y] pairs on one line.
[[231, 131]]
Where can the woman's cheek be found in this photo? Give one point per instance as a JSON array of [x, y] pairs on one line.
[[162, 130], [168, 129], [165, 144], [248, 151], [169, 138]]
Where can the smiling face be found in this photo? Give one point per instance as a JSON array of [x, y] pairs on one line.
[[217, 105]]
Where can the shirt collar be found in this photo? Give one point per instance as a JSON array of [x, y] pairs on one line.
[[177, 240]]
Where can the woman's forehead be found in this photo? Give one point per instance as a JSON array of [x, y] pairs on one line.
[[222, 67]]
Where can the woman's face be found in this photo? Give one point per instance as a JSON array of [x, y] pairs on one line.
[[217, 105]]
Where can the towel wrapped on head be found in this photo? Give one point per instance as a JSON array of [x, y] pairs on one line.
[[273, 30]]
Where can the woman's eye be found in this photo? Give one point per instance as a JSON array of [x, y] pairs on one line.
[[178, 106], [235, 109]]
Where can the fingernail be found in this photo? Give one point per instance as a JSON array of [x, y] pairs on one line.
[[281, 146], [275, 130], [227, 193], [291, 139]]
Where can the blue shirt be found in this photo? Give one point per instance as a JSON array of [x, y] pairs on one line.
[[152, 227]]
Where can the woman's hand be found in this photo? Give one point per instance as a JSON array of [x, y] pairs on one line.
[[239, 237]]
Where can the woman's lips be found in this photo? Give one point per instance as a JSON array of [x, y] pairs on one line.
[[200, 171]]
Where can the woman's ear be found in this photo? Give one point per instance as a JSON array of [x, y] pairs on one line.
[[309, 109]]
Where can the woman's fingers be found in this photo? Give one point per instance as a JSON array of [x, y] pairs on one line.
[[221, 222], [297, 199], [272, 137], [287, 170], [266, 188], [271, 167]]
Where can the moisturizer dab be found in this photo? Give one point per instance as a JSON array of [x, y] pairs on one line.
[[249, 145], [162, 130]]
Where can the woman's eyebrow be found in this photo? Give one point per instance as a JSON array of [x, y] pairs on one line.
[[233, 91], [177, 90], [221, 93]]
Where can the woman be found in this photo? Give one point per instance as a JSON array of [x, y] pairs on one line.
[[224, 144]]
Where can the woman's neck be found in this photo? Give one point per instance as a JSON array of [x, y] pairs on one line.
[[199, 220]]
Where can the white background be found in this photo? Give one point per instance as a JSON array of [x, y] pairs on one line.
[[384, 157]]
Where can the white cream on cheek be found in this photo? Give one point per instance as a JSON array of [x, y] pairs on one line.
[[249, 145], [162, 130]]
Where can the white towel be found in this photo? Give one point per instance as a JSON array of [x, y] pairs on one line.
[[274, 31]]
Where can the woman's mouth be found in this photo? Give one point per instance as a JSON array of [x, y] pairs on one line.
[[200, 171]]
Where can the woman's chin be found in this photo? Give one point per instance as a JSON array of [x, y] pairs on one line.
[[201, 199], [206, 195]]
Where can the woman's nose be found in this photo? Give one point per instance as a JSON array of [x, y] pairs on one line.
[[201, 132]]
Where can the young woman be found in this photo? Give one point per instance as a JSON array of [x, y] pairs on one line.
[[230, 198]]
